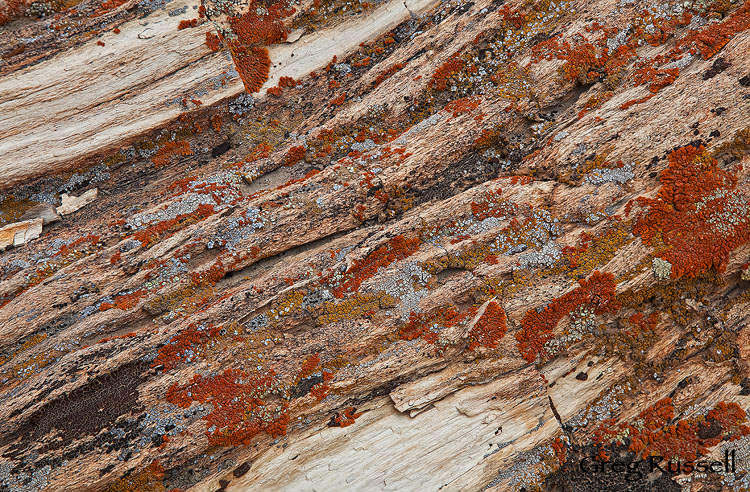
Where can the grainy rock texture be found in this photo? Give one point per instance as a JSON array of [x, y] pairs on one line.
[[383, 245]]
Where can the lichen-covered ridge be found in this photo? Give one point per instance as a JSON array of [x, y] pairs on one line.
[[492, 240]]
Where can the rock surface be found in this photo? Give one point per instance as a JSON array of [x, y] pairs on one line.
[[373, 245]]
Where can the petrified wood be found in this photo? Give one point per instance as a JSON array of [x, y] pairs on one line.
[[376, 245]]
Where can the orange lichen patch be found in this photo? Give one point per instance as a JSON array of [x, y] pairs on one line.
[[169, 149], [309, 366], [488, 138], [124, 302], [633, 102], [573, 253], [714, 37], [240, 411], [213, 41], [253, 65], [260, 151], [185, 346], [397, 248], [295, 154], [254, 31], [687, 439], [267, 28], [12, 10], [666, 77], [656, 80], [362, 63], [388, 73], [338, 101], [559, 448], [512, 18], [67, 249], [656, 30], [211, 276], [115, 258], [321, 390], [148, 480], [594, 102], [331, 63], [546, 50], [641, 324], [274, 91], [489, 328], [421, 325], [347, 417], [523, 180], [463, 106], [216, 123], [287, 82], [582, 63], [108, 6], [697, 214], [591, 252], [452, 66], [185, 24], [537, 327], [490, 205], [153, 233]]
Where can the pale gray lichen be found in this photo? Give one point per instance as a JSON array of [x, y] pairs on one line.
[[662, 268], [400, 283], [425, 123], [547, 256], [238, 228], [604, 408], [186, 205], [243, 104], [526, 472], [23, 482], [619, 175]]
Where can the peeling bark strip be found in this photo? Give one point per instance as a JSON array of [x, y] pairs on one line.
[[270, 246]]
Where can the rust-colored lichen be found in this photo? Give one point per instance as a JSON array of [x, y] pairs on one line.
[[295, 154], [346, 417], [439, 80], [697, 214], [240, 411], [213, 41], [148, 480], [395, 249], [537, 327], [253, 64], [489, 328], [169, 149], [687, 439]]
